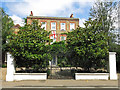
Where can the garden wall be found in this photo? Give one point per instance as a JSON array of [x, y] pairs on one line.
[[11, 75], [90, 76], [30, 76]]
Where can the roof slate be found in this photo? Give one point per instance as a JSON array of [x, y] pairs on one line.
[[46, 17]]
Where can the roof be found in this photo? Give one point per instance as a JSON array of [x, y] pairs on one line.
[[46, 17], [16, 26]]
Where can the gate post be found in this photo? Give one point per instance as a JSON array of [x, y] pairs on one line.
[[10, 68], [112, 65]]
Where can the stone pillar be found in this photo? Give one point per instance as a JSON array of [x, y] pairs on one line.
[[10, 68], [49, 63], [112, 65]]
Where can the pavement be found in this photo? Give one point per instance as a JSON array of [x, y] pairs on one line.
[[60, 88], [61, 83]]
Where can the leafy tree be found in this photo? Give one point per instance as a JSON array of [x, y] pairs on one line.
[[7, 24], [87, 47], [30, 46], [116, 48], [118, 57], [58, 48], [106, 13]]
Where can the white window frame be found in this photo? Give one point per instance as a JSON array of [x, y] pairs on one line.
[[53, 25], [72, 26], [63, 27], [51, 37], [43, 25]]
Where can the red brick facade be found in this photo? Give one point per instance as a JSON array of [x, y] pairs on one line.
[[58, 21]]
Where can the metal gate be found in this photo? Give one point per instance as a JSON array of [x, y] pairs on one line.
[[60, 73], [58, 70]]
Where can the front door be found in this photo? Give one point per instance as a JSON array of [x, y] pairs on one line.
[[54, 61]]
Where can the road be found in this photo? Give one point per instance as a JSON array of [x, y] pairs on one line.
[[84, 88]]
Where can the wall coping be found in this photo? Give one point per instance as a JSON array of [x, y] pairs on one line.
[[112, 53], [92, 73], [30, 73]]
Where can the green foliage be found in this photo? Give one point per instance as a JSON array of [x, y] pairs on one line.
[[116, 48], [118, 57], [87, 47], [58, 48], [4, 65], [62, 61], [48, 72], [106, 13], [5, 30], [30, 46], [103, 11], [7, 24], [118, 53]]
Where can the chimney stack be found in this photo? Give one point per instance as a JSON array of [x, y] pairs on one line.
[[31, 14], [71, 16]]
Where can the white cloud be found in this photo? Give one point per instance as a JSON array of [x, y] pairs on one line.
[[17, 20], [8, 0], [81, 21], [39, 7], [47, 7], [59, 8]]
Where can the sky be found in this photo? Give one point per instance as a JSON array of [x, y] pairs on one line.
[[19, 9]]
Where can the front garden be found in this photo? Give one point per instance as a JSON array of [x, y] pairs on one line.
[[85, 48]]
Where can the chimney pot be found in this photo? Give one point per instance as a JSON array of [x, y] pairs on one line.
[[71, 16], [31, 14]]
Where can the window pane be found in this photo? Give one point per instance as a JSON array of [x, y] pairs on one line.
[[53, 23], [43, 25], [62, 38], [62, 26], [53, 26], [72, 26]]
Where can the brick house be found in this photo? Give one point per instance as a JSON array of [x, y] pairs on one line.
[[16, 28], [57, 25]]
